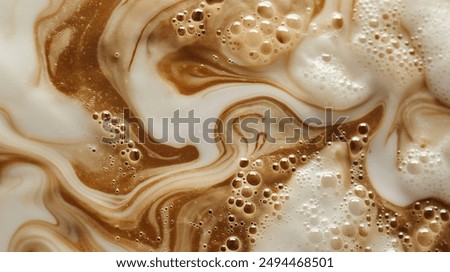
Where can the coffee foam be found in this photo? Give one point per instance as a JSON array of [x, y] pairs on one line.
[[432, 41], [68, 69], [325, 212]]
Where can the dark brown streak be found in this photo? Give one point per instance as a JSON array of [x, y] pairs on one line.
[[142, 33]]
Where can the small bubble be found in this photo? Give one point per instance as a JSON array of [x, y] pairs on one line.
[[337, 21], [211, 2], [283, 35], [335, 230], [253, 229], [105, 115], [249, 21], [292, 159], [265, 9], [362, 38], [363, 129], [336, 243], [191, 29], [243, 162], [253, 38], [360, 191], [348, 229], [428, 213], [236, 27], [417, 206], [328, 180], [373, 23], [414, 167], [233, 243], [266, 48], [122, 127], [444, 214], [267, 193], [393, 222], [424, 236], [315, 236], [239, 202], [326, 57], [179, 17], [435, 226], [135, 154], [277, 205], [284, 163], [363, 230], [294, 21], [266, 27], [253, 178], [247, 192], [236, 183], [356, 206], [275, 166], [356, 145], [249, 208], [181, 31], [197, 15]]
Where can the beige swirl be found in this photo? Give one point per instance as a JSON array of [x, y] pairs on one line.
[[71, 69]]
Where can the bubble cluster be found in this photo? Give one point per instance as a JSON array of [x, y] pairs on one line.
[[287, 163], [261, 35], [123, 153], [383, 40], [423, 21], [334, 210], [349, 228], [192, 23], [418, 164]]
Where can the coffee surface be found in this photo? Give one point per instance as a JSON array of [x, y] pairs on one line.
[[224, 125]]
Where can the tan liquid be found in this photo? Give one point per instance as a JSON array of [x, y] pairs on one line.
[[69, 69]]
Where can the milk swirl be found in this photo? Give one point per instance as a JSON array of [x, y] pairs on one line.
[[82, 168]]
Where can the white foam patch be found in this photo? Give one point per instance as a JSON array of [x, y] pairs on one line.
[[328, 71], [427, 23], [324, 213], [424, 172]]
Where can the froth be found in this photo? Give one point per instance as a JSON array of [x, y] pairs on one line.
[[86, 89], [422, 21]]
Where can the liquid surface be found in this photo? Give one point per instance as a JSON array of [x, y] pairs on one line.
[[318, 125]]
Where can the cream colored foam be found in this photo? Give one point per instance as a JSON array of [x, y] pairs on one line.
[[340, 59], [324, 212]]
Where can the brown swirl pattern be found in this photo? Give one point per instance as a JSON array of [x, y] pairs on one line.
[[354, 187]]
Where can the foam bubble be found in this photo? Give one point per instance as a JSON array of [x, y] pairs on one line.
[[356, 206], [265, 9], [233, 243], [253, 178]]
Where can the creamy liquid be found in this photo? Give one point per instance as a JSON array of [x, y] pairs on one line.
[[69, 69]]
